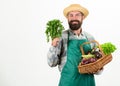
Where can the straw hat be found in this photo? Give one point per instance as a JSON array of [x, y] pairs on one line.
[[75, 7]]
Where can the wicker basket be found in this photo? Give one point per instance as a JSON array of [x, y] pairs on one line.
[[95, 66]]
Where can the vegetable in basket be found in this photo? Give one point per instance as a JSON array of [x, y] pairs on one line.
[[95, 53], [108, 48], [54, 29]]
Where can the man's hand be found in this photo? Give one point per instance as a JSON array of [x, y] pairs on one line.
[[55, 42], [98, 72]]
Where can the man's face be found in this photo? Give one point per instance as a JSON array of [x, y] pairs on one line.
[[75, 19]]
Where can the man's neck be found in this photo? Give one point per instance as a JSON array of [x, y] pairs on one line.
[[77, 32]]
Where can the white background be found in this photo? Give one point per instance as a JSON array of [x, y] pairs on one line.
[[23, 45]]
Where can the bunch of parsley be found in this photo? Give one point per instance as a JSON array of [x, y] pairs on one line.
[[54, 29]]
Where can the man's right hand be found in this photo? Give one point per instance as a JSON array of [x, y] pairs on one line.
[[55, 42]]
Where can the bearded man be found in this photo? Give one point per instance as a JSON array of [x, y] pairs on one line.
[[65, 51]]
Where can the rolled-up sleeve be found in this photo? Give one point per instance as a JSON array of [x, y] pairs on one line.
[[52, 55]]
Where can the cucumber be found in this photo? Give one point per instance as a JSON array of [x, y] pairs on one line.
[[88, 56]]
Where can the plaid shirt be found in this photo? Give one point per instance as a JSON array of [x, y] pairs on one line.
[[58, 55]]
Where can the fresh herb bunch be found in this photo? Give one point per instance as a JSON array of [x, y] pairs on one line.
[[54, 29], [108, 48]]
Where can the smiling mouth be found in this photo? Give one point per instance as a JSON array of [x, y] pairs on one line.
[[74, 22]]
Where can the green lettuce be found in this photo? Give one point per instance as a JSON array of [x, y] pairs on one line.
[[108, 48]]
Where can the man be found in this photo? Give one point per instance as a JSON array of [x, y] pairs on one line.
[[65, 51]]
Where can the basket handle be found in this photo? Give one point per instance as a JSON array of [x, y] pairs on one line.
[[93, 41]]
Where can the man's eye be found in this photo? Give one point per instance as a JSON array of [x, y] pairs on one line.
[[71, 15], [78, 15]]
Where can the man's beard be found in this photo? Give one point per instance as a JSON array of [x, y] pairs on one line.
[[75, 26]]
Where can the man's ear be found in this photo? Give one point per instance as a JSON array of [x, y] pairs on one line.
[[83, 17]]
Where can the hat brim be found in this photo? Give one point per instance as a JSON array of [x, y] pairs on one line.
[[75, 7]]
